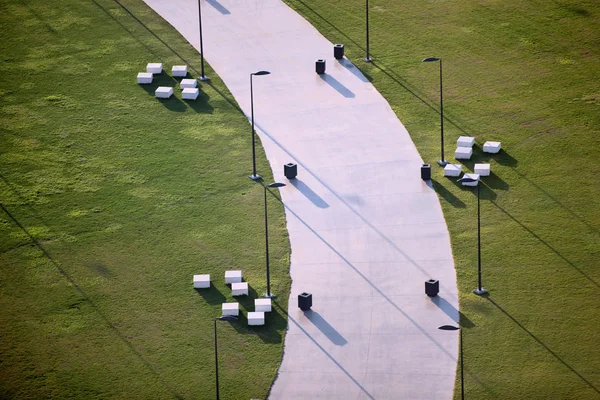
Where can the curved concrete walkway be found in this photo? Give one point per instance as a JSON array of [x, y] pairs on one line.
[[365, 231]]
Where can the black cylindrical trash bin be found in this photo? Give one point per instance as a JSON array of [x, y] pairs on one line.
[[432, 287], [305, 301], [426, 172], [290, 170], [338, 51], [320, 66]]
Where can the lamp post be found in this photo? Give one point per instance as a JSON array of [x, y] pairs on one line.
[[442, 161], [203, 77], [254, 175], [367, 58], [272, 185], [462, 379], [223, 318], [479, 291]]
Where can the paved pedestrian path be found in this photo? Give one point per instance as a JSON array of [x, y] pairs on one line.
[[365, 231]]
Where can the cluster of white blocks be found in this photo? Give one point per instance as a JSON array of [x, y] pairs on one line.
[[238, 288], [188, 86]]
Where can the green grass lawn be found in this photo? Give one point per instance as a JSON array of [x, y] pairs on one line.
[[110, 201], [526, 74]]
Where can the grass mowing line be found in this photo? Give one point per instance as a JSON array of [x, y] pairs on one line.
[[129, 196], [520, 72]]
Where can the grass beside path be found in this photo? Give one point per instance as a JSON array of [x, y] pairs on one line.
[[525, 74], [111, 200]]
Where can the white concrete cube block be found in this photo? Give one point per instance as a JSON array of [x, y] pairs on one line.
[[188, 83], [482, 169], [230, 309], [465, 141], [163, 92], [463, 153], [263, 305], [491, 147], [190, 93], [201, 281], [144, 78], [154, 68], [256, 318], [452, 170], [233, 276], [179, 70], [239, 289], [472, 176]]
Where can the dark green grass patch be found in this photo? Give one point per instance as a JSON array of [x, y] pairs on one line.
[[526, 74], [111, 200]]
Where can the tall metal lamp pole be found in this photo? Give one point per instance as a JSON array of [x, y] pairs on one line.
[[223, 318], [203, 77], [462, 379]]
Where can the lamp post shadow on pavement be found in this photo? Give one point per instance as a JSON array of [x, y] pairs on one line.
[[254, 176], [442, 161]]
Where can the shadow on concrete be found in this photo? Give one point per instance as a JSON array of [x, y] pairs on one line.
[[513, 319], [337, 85], [452, 312], [325, 327], [309, 193], [353, 69], [219, 7]]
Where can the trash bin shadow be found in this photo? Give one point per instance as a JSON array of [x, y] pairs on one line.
[[337, 85], [325, 327], [353, 69], [308, 193]]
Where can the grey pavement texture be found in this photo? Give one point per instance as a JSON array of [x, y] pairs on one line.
[[366, 232]]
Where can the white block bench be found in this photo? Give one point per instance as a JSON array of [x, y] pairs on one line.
[[482, 169], [154, 68], [179, 70], [230, 309], [188, 83], [263, 305], [233, 276], [163, 92], [472, 176], [465, 141], [201, 281], [463, 153], [256, 318], [239, 289], [452, 170], [491, 147], [144, 78], [190, 93]]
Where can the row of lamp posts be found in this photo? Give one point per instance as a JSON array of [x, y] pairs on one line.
[[255, 177]]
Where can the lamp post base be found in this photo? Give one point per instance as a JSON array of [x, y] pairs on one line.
[[204, 78], [268, 295], [442, 163], [367, 59], [480, 292], [255, 177]]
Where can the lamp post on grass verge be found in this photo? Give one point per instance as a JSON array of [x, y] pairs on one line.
[[272, 185], [442, 161], [203, 77], [462, 379], [479, 291], [367, 58], [254, 175], [223, 318]]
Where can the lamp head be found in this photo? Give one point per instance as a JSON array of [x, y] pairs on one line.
[[431, 59], [276, 185], [226, 318], [449, 328], [467, 180], [260, 73]]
